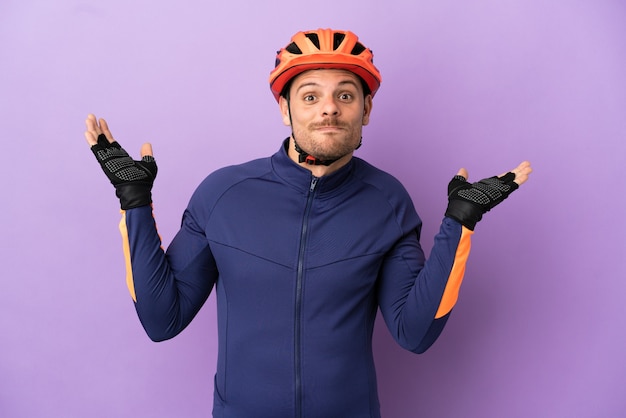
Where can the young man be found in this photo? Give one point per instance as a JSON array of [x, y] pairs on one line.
[[302, 247]]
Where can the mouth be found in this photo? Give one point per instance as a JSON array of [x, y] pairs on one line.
[[328, 128]]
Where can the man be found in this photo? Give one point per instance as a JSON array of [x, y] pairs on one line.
[[302, 247]]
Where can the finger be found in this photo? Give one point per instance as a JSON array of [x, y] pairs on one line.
[[93, 130], [92, 123], [105, 130], [463, 172], [91, 139], [522, 172], [146, 149]]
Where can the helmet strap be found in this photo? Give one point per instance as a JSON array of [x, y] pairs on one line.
[[304, 157]]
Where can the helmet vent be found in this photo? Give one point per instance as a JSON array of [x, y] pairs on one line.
[[293, 48], [314, 38], [338, 39], [358, 48]]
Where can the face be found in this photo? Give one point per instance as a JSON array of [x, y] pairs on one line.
[[328, 112]]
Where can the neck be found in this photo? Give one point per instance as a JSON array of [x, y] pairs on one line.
[[316, 170]]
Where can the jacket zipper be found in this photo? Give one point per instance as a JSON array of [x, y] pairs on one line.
[[298, 301]]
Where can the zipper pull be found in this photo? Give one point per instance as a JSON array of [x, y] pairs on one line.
[[313, 184]]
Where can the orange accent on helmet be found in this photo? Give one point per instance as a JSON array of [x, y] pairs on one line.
[[324, 48]]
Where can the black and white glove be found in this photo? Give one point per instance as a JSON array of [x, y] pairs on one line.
[[467, 202], [132, 179]]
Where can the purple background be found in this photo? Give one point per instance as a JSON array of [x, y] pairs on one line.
[[539, 330]]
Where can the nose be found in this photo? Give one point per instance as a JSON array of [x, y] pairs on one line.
[[329, 106]]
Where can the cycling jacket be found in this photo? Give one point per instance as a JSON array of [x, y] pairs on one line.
[[300, 266]]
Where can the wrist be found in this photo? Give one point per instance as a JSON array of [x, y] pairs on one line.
[[133, 195], [464, 212]]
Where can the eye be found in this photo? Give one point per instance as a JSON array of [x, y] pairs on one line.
[[345, 96], [308, 98]]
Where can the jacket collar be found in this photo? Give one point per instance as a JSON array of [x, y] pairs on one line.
[[301, 178]]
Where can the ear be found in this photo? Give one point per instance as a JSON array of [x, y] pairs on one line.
[[283, 104], [367, 109]]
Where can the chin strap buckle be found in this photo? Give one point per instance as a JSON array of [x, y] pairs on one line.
[[311, 160], [304, 157]]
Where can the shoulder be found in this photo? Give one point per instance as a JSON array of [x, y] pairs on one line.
[[380, 180], [387, 190], [224, 179], [227, 176]]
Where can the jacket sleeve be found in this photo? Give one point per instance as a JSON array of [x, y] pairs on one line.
[[416, 295], [168, 288]]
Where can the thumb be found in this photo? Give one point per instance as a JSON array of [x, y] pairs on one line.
[[146, 149], [463, 172]]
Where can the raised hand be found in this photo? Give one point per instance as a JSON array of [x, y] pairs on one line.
[[132, 179], [467, 202]]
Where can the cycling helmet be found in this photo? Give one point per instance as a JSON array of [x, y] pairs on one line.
[[324, 48]]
